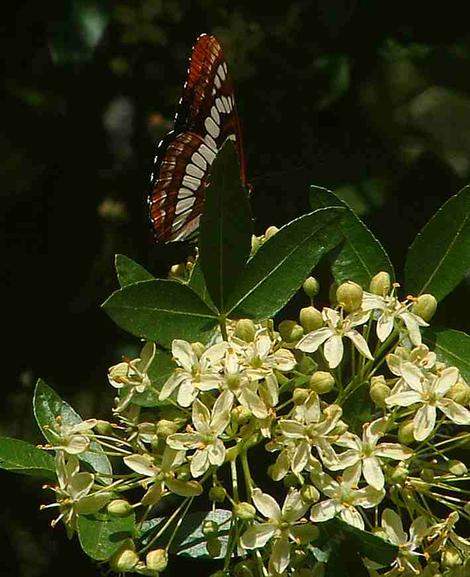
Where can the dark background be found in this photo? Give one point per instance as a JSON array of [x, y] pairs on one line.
[[371, 99]]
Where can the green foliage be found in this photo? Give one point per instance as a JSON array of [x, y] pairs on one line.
[[48, 408], [276, 271], [225, 236], [101, 535], [129, 272], [439, 258], [452, 347], [21, 457], [360, 254]]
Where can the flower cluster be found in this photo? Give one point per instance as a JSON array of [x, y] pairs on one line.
[[358, 419]]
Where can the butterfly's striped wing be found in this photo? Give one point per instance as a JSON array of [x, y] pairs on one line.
[[205, 119]]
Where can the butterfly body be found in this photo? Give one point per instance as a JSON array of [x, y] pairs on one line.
[[205, 119]]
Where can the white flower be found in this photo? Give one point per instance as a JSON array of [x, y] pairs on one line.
[[133, 373], [210, 449], [367, 453], [344, 496], [315, 433], [407, 546], [195, 374], [161, 475], [429, 392], [332, 336], [390, 311], [280, 526], [420, 356], [73, 439]]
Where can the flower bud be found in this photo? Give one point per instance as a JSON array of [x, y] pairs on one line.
[[290, 480], [231, 454], [310, 494], [306, 533], [104, 428], [456, 467], [157, 560], [166, 428], [349, 296], [399, 474], [306, 365], [311, 287], [379, 391], [217, 494], [210, 528], [178, 271], [245, 568], [270, 232], [244, 511], [310, 318], [460, 393], [450, 557], [290, 331], [241, 415], [198, 349], [299, 396], [119, 508], [125, 559], [427, 475], [213, 546], [425, 306], [322, 382], [380, 284], [245, 330], [405, 432]]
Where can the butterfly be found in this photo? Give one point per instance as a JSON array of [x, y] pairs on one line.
[[205, 119]]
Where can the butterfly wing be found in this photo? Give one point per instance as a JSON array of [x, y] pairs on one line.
[[205, 119]]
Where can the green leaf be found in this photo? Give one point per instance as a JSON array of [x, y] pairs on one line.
[[198, 284], [101, 535], [439, 258], [160, 311], [47, 407], [451, 347], [283, 262], [357, 408], [189, 539], [129, 271], [225, 232], [22, 457], [360, 256]]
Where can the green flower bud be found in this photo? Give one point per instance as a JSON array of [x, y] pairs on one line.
[[310, 318], [379, 391], [290, 331], [157, 560], [405, 433], [349, 296], [245, 569], [460, 393], [198, 349], [306, 365], [210, 528], [310, 494], [450, 557], [178, 271], [231, 454], [380, 284], [306, 533], [270, 232], [217, 494], [213, 546], [241, 415], [119, 508], [427, 475], [245, 330], [456, 467], [104, 428], [311, 287], [125, 559], [322, 382], [399, 475], [425, 306], [244, 511], [299, 396], [165, 428], [290, 480]]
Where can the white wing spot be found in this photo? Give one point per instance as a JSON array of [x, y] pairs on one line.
[[232, 137], [185, 193], [194, 170], [183, 205], [227, 104], [199, 161], [213, 91], [211, 127], [220, 105], [221, 72], [215, 115], [224, 64], [191, 182], [210, 142], [207, 153], [217, 81]]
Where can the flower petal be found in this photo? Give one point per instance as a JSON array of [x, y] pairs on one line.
[[280, 556], [183, 353], [324, 511], [266, 505], [311, 341], [257, 535], [424, 422], [373, 472], [333, 350], [455, 412]]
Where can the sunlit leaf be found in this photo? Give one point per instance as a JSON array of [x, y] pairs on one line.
[[452, 347], [101, 535], [21, 457], [129, 271]]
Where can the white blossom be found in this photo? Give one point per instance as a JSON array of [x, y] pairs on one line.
[[392, 526]]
